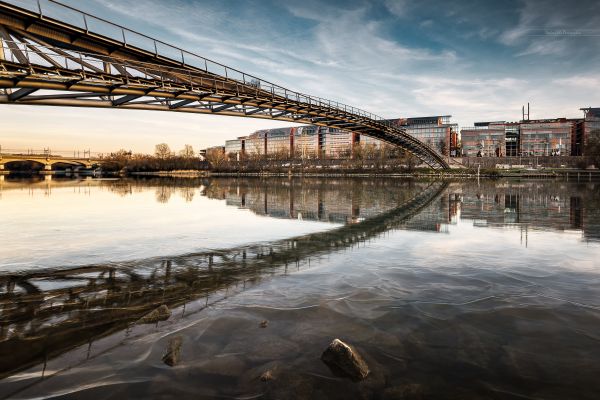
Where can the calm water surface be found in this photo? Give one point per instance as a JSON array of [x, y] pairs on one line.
[[449, 290]]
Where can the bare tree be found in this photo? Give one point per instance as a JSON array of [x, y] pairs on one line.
[[187, 151], [162, 151], [216, 157]]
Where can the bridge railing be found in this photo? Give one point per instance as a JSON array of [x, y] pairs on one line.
[[40, 55], [129, 38], [47, 152]]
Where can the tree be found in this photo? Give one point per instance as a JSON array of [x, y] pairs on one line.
[[443, 146], [216, 157], [162, 150], [121, 154], [187, 151]]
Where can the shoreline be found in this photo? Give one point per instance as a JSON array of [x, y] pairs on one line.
[[571, 174], [568, 175]]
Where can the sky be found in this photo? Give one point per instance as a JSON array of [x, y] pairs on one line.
[[474, 60]]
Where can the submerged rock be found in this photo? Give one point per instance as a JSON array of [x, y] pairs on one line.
[[346, 359], [159, 314], [173, 353], [267, 376], [412, 391]]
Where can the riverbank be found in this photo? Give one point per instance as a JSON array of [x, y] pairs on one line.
[[174, 174], [591, 175], [462, 173]]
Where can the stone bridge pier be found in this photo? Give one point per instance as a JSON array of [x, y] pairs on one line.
[[47, 169]]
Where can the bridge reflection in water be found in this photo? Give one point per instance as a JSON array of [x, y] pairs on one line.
[[48, 312]]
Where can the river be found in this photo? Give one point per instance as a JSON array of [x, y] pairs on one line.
[[483, 289]]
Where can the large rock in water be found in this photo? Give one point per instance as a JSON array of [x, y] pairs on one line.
[[346, 359], [173, 353], [158, 314]]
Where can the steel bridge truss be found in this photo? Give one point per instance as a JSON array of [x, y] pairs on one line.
[[47, 61]]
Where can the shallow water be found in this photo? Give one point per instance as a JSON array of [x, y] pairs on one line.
[[449, 290]]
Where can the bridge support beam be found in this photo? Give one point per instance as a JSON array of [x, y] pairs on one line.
[[47, 170]]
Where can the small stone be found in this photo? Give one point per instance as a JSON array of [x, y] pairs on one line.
[[267, 376], [346, 359], [159, 314], [411, 391], [173, 353], [264, 323]]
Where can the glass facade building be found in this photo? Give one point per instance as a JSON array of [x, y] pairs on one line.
[[591, 125], [436, 131], [548, 137], [484, 139]]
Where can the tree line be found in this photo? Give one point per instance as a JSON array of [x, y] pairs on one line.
[[163, 159], [357, 158]]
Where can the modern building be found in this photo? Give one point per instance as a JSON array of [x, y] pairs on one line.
[[591, 125], [484, 139], [255, 144], [436, 131], [234, 146], [314, 141], [304, 142], [544, 137]]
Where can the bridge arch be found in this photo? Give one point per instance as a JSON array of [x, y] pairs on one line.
[[43, 163], [69, 65], [13, 164]]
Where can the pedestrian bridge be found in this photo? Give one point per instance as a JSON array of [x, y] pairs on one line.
[[48, 161], [53, 54]]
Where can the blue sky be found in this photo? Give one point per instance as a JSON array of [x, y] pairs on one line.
[[476, 60]]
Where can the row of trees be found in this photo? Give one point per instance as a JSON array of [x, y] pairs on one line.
[[163, 159], [359, 157]]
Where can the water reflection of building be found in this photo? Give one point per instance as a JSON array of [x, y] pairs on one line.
[[550, 205], [536, 204], [341, 201]]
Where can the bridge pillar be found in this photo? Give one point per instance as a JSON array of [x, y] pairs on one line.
[[47, 170], [2, 170]]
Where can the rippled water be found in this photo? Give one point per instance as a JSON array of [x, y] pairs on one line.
[[449, 290]]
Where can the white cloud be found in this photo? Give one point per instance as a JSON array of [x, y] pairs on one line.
[[397, 7]]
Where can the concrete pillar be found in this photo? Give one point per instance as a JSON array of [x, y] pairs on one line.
[[2, 56], [47, 170]]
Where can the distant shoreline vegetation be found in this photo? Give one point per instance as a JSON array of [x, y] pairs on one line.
[[364, 161]]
